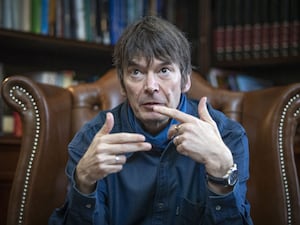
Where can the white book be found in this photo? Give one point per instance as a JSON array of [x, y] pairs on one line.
[[80, 19]]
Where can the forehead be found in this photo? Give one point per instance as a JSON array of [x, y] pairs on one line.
[[144, 62]]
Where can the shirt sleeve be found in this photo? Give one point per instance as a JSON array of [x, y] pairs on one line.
[[232, 208]]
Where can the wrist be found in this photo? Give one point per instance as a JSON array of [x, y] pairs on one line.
[[229, 179]]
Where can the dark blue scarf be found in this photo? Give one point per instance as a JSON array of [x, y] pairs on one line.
[[160, 140]]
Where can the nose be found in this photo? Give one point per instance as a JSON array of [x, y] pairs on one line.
[[151, 83]]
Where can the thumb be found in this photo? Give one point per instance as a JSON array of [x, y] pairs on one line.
[[107, 126], [203, 112]]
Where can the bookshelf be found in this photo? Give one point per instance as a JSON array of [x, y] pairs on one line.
[[252, 37], [23, 52]]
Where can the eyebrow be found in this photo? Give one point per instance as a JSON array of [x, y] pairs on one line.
[[162, 63]]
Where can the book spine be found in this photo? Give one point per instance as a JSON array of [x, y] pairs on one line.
[[247, 29], [274, 29], [257, 29], [66, 13], [219, 31], [238, 35], [79, 14], [26, 13], [45, 17], [295, 28], [7, 14], [117, 20], [59, 29], [36, 12], [284, 28], [228, 30], [265, 32]]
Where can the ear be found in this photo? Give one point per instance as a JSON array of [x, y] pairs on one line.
[[186, 87], [123, 92]]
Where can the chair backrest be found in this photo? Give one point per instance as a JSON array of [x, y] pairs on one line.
[[52, 115]]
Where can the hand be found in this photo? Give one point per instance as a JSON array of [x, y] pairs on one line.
[[105, 155], [199, 138]]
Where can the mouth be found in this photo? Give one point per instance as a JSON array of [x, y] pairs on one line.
[[149, 105]]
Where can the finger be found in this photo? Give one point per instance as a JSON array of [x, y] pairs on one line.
[[174, 113], [203, 111], [118, 159], [124, 137], [175, 130], [117, 149], [107, 126], [205, 116]]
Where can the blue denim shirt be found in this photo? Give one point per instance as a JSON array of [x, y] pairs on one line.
[[156, 187]]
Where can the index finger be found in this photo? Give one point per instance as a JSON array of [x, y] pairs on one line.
[[174, 113]]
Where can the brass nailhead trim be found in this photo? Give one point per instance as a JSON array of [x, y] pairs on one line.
[[281, 155], [34, 146]]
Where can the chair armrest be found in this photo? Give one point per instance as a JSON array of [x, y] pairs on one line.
[[45, 112], [271, 118]]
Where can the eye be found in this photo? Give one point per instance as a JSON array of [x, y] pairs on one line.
[[134, 72], [164, 71]]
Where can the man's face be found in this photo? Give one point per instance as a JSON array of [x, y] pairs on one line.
[[158, 83]]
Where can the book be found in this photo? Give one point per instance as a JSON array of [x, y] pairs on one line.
[[79, 17], [274, 27], [229, 30], [257, 29], [247, 29], [7, 17], [219, 31], [36, 13], [265, 29], [52, 18], [117, 19], [237, 29], [284, 28], [219, 78], [44, 17], [251, 83], [236, 80], [25, 16], [63, 78], [294, 37], [66, 16]]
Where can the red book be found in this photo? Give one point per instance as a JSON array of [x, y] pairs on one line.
[[257, 29], [284, 28], [229, 30], [294, 28], [247, 29], [219, 31], [274, 27], [265, 29], [237, 29]]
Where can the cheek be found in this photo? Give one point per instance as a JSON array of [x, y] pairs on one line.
[[173, 94], [132, 92]]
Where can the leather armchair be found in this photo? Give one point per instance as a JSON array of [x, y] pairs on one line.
[[51, 116]]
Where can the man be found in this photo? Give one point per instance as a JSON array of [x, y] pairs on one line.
[[158, 158]]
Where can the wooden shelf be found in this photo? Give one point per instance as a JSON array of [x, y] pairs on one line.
[[262, 62], [39, 52]]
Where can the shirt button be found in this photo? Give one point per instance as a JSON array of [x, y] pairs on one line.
[[88, 206], [218, 207]]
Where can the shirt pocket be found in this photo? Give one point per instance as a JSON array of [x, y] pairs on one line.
[[188, 212]]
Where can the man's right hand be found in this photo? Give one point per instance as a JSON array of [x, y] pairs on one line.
[[105, 155]]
